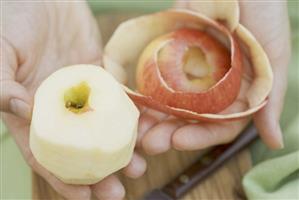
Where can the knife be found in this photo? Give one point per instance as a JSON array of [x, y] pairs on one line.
[[203, 167]]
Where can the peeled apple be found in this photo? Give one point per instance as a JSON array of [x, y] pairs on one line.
[[84, 125]]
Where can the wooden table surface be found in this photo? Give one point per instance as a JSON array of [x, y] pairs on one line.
[[223, 184]]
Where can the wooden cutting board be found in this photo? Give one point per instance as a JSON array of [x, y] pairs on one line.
[[223, 184]]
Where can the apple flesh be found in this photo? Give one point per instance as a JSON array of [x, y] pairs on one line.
[[84, 125]]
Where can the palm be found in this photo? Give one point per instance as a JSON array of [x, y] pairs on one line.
[[48, 41]]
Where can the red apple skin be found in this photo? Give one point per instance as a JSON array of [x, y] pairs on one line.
[[147, 101], [213, 100]]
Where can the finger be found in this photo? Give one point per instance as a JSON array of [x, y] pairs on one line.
[[136, 167], [14, 97], [276, 44], [269, 129], [146, 121], [267, 119], [21, 129], [110, 188], [200, 136], [158, 138]]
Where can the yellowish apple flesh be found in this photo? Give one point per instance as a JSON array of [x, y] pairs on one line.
[[84, 125]]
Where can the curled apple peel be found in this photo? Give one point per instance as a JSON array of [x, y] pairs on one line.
[[191, 66], [160, 72]]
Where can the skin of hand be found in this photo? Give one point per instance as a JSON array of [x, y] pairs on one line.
[[269, 22], [37, 39]]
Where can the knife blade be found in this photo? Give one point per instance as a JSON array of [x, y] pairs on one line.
[[203, 167]]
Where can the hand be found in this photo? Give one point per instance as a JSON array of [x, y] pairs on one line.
[[270, 25], [38, 39], [159, 132]]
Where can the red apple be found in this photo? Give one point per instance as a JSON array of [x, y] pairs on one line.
[[186, 64], [160, 72]]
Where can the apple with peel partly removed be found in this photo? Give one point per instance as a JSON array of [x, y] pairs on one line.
[[84, 126], [202, 66], [186, 68]]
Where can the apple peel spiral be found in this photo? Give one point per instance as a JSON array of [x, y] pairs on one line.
[[201, 66]]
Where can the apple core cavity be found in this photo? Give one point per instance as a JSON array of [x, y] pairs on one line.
[[76, 98]]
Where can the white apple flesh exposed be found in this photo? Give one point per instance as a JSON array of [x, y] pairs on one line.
[[84, 125]]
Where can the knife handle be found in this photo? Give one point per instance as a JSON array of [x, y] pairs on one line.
[[208, 163]]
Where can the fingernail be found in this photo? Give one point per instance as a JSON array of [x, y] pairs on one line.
[[279, 139], [280, 142], [20, 108]]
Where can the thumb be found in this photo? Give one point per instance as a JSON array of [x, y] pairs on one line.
[[273, 33], [269, 128], [267, 119], [14, 97]]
